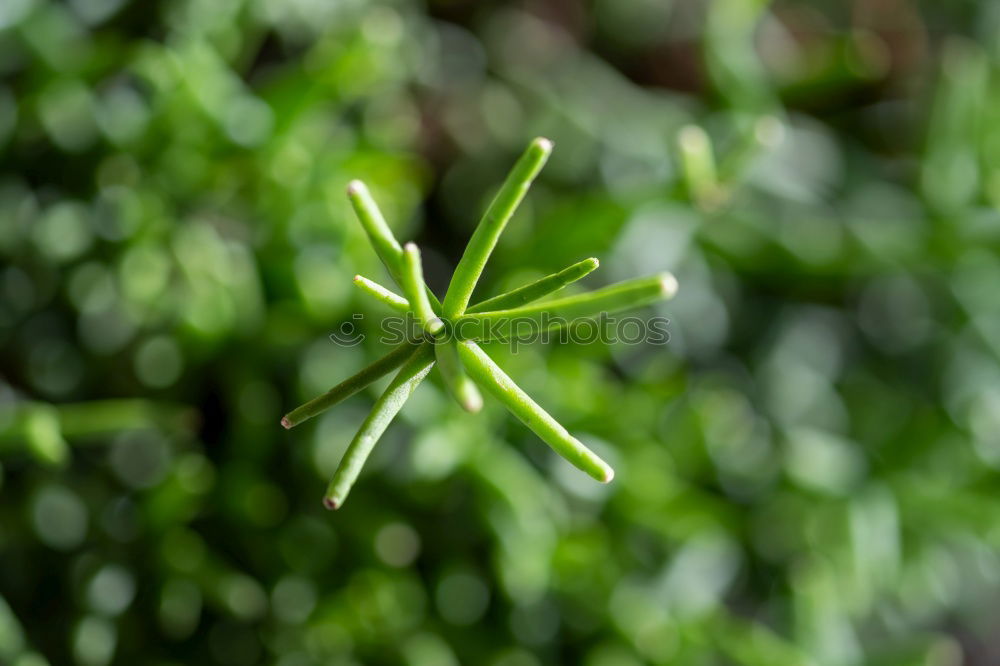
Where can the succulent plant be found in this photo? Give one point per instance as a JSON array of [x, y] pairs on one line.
[[451, 330]]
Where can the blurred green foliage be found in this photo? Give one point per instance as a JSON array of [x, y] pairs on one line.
[[807, 473]]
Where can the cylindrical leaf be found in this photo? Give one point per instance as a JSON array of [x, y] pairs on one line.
[[348, 387], [489, 375], [413, 287], [484, 239], [383, 295], [501, 324], [538, 289], [462, 388], [384, 410]]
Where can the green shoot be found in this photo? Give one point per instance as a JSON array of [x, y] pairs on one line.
[[454, 327], [621, 296], [348, 387], [482, 368], [382, 294], [484, 239], [538, 289], [384, 410], [413, 287], [461, 387]]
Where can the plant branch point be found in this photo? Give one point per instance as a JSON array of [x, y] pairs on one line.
[[435, 326]]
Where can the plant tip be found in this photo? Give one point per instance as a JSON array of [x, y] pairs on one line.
[[692, 138], [668, 284], [286, 422], [355, 187], [472, 403], [331, 503], [609, 475], [543, 143]]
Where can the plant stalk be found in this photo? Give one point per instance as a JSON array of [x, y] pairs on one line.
[[489, 375], [382, 294], [413, 287], [462, 388], [538, 289], [384, 410], [560, 312], [349, 386], [499, 212]]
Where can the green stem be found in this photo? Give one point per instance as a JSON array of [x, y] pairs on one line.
[[386, 246], [43, 434], [697, 163], [384, 410], [462, 388], [382, 294], [560, 312], [413, 287], [348, 387], [99, 417], [45, 428], [382, 239], [489, 375], [484, 239], [538, 289]]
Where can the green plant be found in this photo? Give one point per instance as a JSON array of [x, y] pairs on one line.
[[451, 329]]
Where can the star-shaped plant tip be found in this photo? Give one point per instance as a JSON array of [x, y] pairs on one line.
[[452, 329]]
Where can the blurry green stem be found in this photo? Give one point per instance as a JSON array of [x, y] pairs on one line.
[[413, 287], [45, 428], [384, 410], [349, 386], [461, 387], [43, 433], [484, 239], [553, 314], [489, 375], [538, 289], [382, 294], [698, 164]]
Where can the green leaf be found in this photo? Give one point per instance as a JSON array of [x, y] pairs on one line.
[[538, 289], [560, 312], [385, 409], [484, 239], [461, 387], [414, 288], [382, 294], [379, 234], [348, 387], [489, 375]]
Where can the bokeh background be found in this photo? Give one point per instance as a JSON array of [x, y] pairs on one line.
[[807, 473]]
